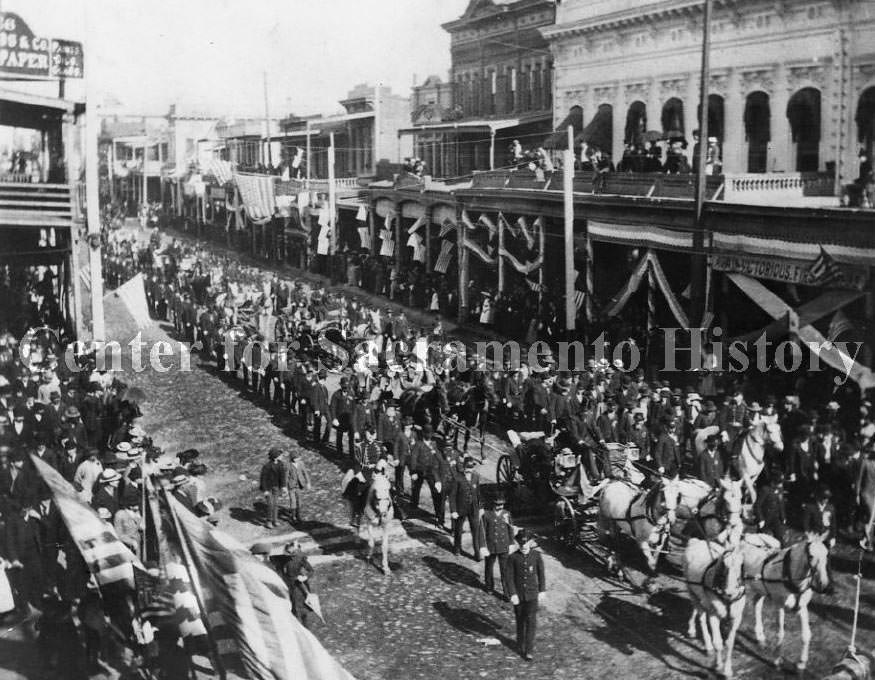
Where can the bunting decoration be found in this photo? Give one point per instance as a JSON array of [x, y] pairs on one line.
[[490, 225], [524, 228], [365, 237], [446, 254], [467, 221], [524, 269], [579, 297], [387, 248], [514, 230], [362, 214], [649, 266], [447, 226], [478, 251], [108, 559], [420, 222], [535, 286], [219, 169]]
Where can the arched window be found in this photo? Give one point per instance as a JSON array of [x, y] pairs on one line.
[[673, 118], [636, 123], [866, 120], [757, 128], [715, 117], [803, 112]]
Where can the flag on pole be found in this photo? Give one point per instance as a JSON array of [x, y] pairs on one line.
[[257, 193], [253, 601], [446, 254], [825, 270], [108, 559], [365, 237]]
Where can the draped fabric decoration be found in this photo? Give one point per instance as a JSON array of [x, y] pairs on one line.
[[387, 248], [535, 286], [219, 169], [513, 229], [524, 269], [420, 222], [527, 234], [475, 248], [416, 242], [447, 226], [446, 254], [362, 214], [490, 225], [257, 194], [579, 297], [365, 238], [648, 266]]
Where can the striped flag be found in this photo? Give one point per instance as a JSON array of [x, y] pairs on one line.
[[447, 226], [219, 169], [443, 261], [362, 213], [257, 194], [365, 237], [387, 249], [535, 286], [110, 560], [825, 270], [579, 297], [253, 601]]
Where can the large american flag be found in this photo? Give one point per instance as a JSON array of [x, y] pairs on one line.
[[253, 601], [257, 193], [219, 169], [108, 559], [825, 271]]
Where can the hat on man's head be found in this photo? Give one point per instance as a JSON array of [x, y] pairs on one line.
[[71, 412], [523, 536], [275, 453], [109, 475], [499, 501]]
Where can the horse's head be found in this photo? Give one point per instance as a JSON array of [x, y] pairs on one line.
[[731, 500], [381, 498], [772, 436], [664, 499], [818, 561], [729, 576]]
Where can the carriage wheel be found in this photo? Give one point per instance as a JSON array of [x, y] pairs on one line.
[[505, 476], [565, 522]]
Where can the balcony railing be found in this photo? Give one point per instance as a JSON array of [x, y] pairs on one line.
[[18, 178], [792, 189]]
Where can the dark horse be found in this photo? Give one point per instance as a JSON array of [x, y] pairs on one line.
[[470, 404], [424, 406]]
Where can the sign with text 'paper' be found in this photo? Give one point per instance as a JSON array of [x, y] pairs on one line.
[[26, 55]]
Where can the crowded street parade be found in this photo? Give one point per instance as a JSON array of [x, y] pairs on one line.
[[558, 364]]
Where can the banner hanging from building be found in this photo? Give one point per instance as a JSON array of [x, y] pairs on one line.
[[793, 271]]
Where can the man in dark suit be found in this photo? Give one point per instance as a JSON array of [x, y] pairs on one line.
[[770, 508], [464, 495], [320, 406], [425, 466], [819, 517], [342, 406], [498, 538], [526, 586], [711, 466], [667, 452]]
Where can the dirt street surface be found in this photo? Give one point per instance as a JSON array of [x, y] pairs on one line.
[[431, 618]]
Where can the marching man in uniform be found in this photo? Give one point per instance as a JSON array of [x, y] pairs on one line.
[[526, 586], [498, 540]]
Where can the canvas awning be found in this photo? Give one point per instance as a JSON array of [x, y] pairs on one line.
[[830, 353], [478, 125]]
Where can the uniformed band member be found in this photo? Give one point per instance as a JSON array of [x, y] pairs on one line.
[[526, 586], [498, 541]]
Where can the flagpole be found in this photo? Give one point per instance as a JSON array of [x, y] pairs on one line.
[[500, 256], [568, 197], [196, 589]]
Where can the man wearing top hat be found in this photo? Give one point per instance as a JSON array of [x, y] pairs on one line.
[[497, 541], [319, 404], [272, 482], [526, 586]]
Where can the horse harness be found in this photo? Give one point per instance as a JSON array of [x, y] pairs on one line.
[[797, 584], [720, 573]]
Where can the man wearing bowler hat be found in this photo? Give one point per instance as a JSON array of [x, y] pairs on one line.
[[526, 586]]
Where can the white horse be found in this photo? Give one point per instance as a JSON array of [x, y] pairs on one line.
[[787, 577], [378, 515], [643, 515], [715, 582], [716, 509], [751, 450]]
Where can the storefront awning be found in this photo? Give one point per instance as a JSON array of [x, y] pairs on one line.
[[478, 125]]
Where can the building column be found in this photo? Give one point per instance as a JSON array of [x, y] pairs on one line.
[[619, 123], [692, 95], [780, 157], [654, 106], [733, 126]]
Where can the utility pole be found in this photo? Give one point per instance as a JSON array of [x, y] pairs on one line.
[[568, 198], [267, 121], [699, 277], [332, 195]]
